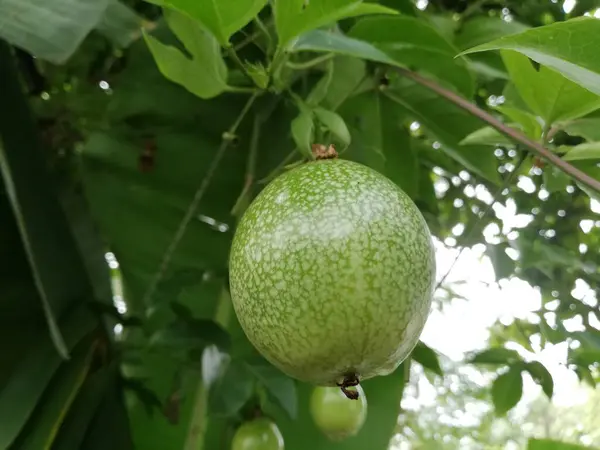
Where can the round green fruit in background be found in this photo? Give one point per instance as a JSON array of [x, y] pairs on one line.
[[335, 414], [331, 273], [258, 434]]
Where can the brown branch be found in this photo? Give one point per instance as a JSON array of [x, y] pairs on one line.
[[515, 135]]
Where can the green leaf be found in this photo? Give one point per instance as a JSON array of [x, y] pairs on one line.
[[507, 390], [540, 375], [380, 141], [278, 385], [411, 42], [22, 392], [258, 73], [549, 94], [487, 136], [191, 334], [76, 423], [347, 73], [587, 150], [497, 355], [110, 415], [588, 128], [334, 123], [481, 29], [222, 19], [548, 444], [318, 93], [446, 123], [555, 180], [589, 338], [568, 47], [325, 41], [584, 356], [504, 266], [205, 74], [62, 391], [529, 122], [303, 128], [231, 391], [120, 24], [585, 375], [49, 31], [58, 269], [427, 357], [294, 17]]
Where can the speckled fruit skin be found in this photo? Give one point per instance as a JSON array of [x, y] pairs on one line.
[[331, 272], [259, 434], [336, 415]]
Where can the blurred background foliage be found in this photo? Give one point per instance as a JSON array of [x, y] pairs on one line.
[[102, 155]]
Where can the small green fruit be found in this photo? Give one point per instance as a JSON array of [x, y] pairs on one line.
[[336, 415], [331, 273], [259, 434]]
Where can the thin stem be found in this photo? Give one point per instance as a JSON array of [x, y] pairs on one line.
[[197, 429], [516, 135], [280, 166], [241, 90], [488, 208], [311, 63], [250, 38], [264, 29], [228, 136], [238, 62], [250, 167]]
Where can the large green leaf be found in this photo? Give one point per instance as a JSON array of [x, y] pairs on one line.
[[568, 47], [447, 123], [294, 17], [549, 94], [413, 43], [205, 74], [58, 270], [29, 379], [222, 18], [380, 140], [51, 31], [64, 387], [54, 30], [77, 420], [59, 277]]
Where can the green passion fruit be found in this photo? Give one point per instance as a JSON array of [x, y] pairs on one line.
[[336, 415], [258, 434], [331, 273]]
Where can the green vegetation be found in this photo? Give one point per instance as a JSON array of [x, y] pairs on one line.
[[150, 136]]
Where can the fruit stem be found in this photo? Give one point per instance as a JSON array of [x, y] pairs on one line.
[[321, 151], [349, 381]]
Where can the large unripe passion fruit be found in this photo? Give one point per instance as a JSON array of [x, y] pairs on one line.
[[331, 273]]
